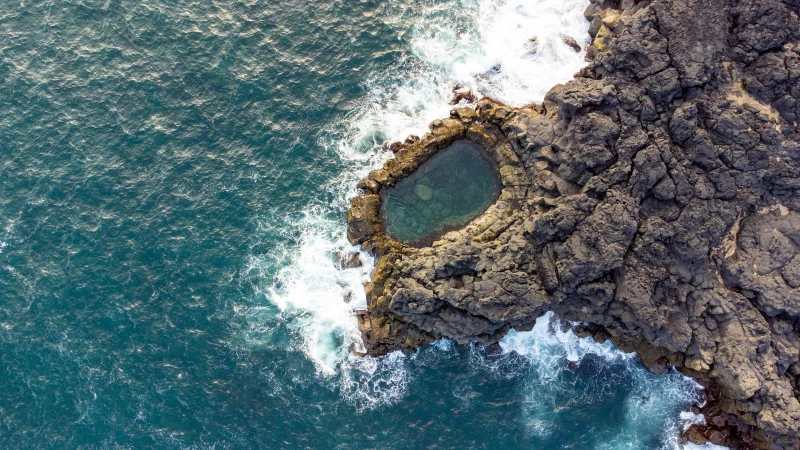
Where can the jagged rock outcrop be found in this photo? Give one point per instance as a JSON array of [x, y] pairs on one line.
[[653, 198]]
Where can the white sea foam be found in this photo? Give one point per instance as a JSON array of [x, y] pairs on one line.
[[318, 294], [708, 446], [689, 418], [544, 338], [515, 53]]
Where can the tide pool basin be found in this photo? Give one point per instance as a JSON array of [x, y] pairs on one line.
[[453, 187]]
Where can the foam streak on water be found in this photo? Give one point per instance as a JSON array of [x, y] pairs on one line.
[[488, 46]]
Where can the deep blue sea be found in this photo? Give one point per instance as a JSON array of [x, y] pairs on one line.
[[174, 176]]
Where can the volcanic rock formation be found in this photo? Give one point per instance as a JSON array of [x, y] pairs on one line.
[[653, 198]]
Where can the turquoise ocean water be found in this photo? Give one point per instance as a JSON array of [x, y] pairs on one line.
[[173, 182]]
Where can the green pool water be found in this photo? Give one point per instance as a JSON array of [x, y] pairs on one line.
[[446, 192]]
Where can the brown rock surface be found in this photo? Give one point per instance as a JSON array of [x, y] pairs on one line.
[[654, 198]]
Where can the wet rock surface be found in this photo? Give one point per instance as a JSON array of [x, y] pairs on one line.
[[654, 198]]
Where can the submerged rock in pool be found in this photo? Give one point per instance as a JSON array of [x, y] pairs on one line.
[[423, 192], [446, 192]]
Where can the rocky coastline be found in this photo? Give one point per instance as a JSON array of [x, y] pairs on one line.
[[654, 199]]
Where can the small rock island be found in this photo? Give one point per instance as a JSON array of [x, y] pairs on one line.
[[654, 199]]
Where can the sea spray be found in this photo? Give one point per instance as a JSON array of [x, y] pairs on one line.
[[514, 51]]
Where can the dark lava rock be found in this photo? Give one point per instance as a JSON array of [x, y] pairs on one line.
[[493, 350], [695, 436], [572, 43], [718, 421], [653, 198], [347, 260], [461, 93], [717, 437]]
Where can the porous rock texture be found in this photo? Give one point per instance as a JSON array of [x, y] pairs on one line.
[[654, 199]]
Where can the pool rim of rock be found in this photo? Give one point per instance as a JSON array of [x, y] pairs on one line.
[[437, 233], [365, 216]]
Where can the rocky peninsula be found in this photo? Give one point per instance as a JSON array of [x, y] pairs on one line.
[[655, 199]]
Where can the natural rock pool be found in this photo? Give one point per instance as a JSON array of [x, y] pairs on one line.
[[446, 192]]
